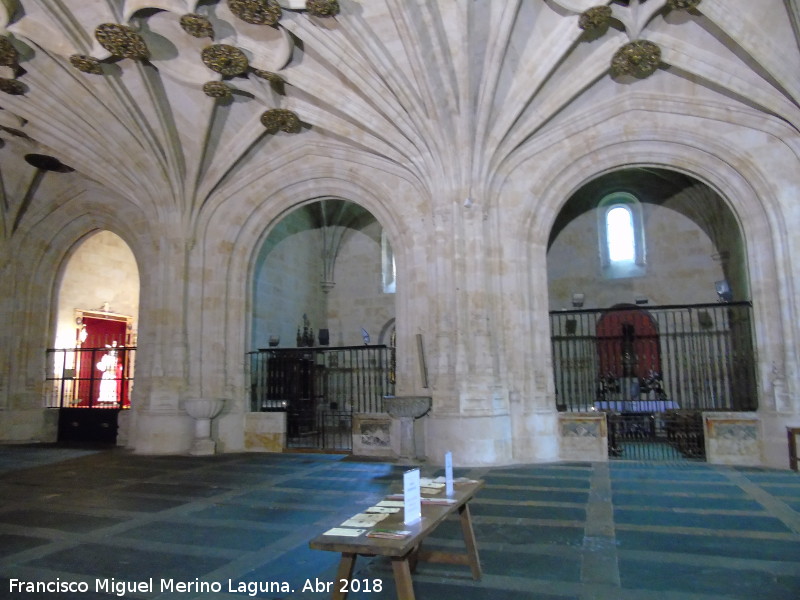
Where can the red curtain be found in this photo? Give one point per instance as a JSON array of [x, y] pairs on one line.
[[100, 335], [627, 344]]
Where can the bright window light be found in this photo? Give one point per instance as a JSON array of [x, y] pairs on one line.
[[620, 236]]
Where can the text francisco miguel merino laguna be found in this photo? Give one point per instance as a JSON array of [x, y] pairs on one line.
[[121, 588]]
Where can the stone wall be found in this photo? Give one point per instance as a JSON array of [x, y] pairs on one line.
[[680, 265], [101, 271], [287, 282], [358, 300], [733, 438]]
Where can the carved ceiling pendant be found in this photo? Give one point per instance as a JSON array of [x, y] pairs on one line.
[[280, 119], [323, 8], [197, 26], [225, 60], [595, 18], [257, 12], [86, 64], [683, 4], [12, 87], [268, 75], [640, 59], [121, 40], [9, 56], [217, 89]]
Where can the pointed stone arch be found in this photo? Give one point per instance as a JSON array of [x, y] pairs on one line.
[[242, 231], [36, 269]]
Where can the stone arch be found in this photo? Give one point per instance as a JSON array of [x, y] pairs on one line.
[[247, 237], [239, 227], [642, 139], [37, 269], [385, 335], [744, 192]]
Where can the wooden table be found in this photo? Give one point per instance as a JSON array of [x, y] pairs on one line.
[[404, 553]]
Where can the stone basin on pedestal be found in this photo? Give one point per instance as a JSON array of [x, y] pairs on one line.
[[406, 409], [202, 410]]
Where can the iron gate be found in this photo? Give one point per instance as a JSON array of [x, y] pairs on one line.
[[671, 436], [320, 389], [89, 387], [649, 359], [654, 370]]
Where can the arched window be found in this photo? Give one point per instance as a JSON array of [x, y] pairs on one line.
[[621, 234], [388, 267]]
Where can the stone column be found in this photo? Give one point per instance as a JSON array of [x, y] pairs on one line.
[[470, 405], [162, 371]]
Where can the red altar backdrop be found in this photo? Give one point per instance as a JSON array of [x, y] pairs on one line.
[[627, 344], [101, 364]]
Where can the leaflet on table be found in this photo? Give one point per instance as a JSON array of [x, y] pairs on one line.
[[423, 500], [389, 534], [427, 491], [430, 482], [438, 500], [364, 520], [392, 503], [345, 531], [443, 480], [383, 509]]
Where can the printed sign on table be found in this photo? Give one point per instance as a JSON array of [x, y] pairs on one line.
[[412, 504], [448, 473]]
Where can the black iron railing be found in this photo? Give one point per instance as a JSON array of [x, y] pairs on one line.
[[656, 437], [90, 377], [320, 389], [655, 359]]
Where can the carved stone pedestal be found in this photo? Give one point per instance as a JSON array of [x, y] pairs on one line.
[[407, 409], [203, 410]]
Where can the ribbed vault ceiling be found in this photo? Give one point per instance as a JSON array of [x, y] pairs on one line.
[[126, 92]]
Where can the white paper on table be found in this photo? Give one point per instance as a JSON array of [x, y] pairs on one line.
[[383, 509], [391, 503], [364, 520], [345, 531], [430, 482]]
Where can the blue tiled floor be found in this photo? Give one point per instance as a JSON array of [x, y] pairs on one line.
[[563, 531]]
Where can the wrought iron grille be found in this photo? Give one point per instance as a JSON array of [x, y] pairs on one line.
[[320, 389], [663, 437], [90, 377], [655, 359]]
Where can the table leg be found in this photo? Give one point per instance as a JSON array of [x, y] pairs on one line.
[[402, 578], [413, 558], [469, 541], [345, 571]]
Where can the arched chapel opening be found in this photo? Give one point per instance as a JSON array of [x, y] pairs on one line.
[[650, 310], [92, 361], [322, 323]]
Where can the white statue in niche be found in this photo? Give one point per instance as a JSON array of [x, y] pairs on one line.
[[108, 380]]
